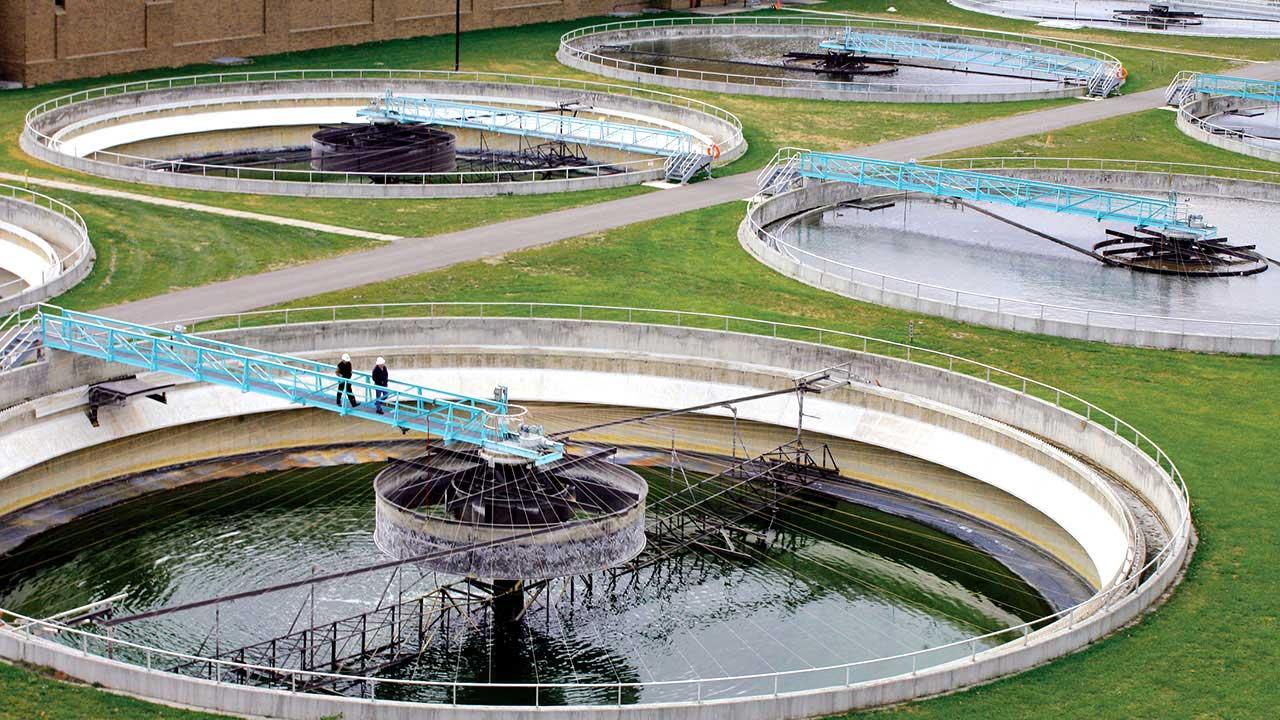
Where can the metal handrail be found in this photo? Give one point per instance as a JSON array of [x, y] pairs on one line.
[[843, 22], [31, 130], [1002, 305], [1113, 164], [1244, 138], [66, 262], [1009, 381]]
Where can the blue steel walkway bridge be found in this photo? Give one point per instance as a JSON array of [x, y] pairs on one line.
[[681, 149], [1100, 77], [492, 424], [1187, 85], [792, 165]]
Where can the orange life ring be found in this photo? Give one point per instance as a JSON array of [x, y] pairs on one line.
[[714, 151], [1124, 72]]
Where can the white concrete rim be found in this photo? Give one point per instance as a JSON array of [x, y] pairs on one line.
[[947, 302], [70, 266], [590, 61], [44, 143], [1084, 621]]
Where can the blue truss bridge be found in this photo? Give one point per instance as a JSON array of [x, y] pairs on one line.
[[1187, 84], [792, 165], [531, 123], [1101, 77], [492, 423]]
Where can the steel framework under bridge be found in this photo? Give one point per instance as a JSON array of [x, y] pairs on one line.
[[530, 123], [789, 165], [1065, 67], [489, 423]]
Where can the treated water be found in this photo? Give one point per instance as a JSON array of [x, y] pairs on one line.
[[838, 583], [709, 55]]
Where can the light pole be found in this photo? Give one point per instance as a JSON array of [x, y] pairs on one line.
[[457, 35]]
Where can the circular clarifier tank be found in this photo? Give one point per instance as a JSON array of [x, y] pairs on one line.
[[379, 133], [1230, 18], [1036, 263], [824, 58]]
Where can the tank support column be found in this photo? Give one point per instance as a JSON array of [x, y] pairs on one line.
[[508, 600]]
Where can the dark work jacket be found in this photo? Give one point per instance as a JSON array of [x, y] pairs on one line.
[[344, 369], [380, 375]]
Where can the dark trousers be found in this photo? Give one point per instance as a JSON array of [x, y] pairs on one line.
[[379, 395], [344, 385]]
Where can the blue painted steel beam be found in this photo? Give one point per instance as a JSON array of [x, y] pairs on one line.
[[1069, 67], [527, 123], [982, 187], [1265, 90], [448, 415]]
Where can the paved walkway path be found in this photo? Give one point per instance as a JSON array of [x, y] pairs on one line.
[[197, 207], [416, 255]]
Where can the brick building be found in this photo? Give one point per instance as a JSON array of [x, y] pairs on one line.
[[47, 40]]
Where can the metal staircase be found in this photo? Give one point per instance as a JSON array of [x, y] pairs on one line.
[[1105, 79], [780, 174], [1182, 87], [19, 341], [681, 168]]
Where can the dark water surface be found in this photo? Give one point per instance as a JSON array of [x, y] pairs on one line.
[[839, 583]]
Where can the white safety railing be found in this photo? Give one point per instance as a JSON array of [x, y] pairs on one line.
[[1240, 136], [699, 689], [1010, 308], [583, 44], [66, 260], [34, 130]]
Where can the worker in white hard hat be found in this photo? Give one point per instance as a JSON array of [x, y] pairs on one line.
[[380, 378], [344, 383]]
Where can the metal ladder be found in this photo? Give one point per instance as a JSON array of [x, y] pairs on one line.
[[681, 167], [1182, 86]]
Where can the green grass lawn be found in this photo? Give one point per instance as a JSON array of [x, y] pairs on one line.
[[145, 250], [1151, 135], [1202, 655]]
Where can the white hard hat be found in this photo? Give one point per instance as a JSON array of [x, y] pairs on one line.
[[380, 362], [346, 357]]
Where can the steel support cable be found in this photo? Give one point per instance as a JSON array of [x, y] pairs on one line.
[[996, 579], [271, 479], [914, 550]]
